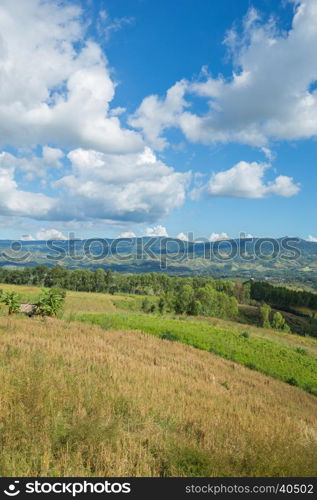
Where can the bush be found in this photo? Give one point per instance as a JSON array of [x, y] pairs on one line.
[[292, 381], [169, 336], [246, 335], [10, 299], [50, 302], [301, 350]]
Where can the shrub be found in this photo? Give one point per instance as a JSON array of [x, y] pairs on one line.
[[292, 381], [301, 350], [246, 335], [167, 335], [50, 302], [11, 299]]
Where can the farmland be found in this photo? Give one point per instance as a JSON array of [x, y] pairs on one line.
[[106, 390], [81, 401]]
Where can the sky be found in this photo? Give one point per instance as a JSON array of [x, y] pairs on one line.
[[136, 117]]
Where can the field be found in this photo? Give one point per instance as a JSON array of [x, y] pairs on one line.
[[105, 399], [77, 400]]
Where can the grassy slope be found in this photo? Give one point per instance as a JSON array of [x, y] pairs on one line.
[[267, 356], [285, 356], [77, 400]]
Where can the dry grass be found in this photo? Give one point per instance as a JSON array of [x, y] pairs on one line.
[[78, 401]]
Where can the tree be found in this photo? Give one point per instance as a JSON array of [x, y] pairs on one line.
[[146, 305], [195, 308], [50, 302], [265, 311], [279, 323], [161, 305], [11, 299], [184, 299], [100, 284]]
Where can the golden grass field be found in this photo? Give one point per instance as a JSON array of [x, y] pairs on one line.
[[77, 400]]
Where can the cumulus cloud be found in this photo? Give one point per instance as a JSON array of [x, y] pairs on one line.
[[182, 237], [127, 234], [268, 96], [156, 231], [32, 165], [218, 237], [55, 97], [134, 187], [246, 180], [55, 84], [52, 156], [155, 114], [14, 201], [312, 238], [27, 237], [50, 234], [131, 187]]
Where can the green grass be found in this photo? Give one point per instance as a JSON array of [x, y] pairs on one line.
[[263, 355], [133, 302]]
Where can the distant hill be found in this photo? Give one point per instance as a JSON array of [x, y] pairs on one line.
[[283, 260]]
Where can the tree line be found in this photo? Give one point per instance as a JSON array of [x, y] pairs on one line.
[[100, 280], [281, 297]]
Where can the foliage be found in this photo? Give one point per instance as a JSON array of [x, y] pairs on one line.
[[265, 311], [10, 299], [279, 322], [50, 302], [282, 297], [167, 335]]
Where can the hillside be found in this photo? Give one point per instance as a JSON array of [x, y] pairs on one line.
[[257, 257], [79, 401], [283, 355]]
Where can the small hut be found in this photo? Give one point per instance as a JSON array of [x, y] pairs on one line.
[[28, 309]]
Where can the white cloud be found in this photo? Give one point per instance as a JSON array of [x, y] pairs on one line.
[[219, 237], [55, 84], [127, 234], [312, 238], [131, 187], [135, 187], [52, 156], [50, 234], [154, 114], [27, 237], [33, 166], [246, 180], [14, 201], [182, 237], [56, 89], [244, 236], [267, 97], [156, 231], [107, 27]]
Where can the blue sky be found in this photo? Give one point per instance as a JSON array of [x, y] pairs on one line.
[[136, 117]]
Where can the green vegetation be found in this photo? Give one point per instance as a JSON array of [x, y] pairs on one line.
[[265, 311], [279, 322], [50, 302], [10, 299], [196, 296], [268, 357], [282, 297]]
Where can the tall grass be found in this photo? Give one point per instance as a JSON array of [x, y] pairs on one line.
[[77, 400], [266, 356]]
